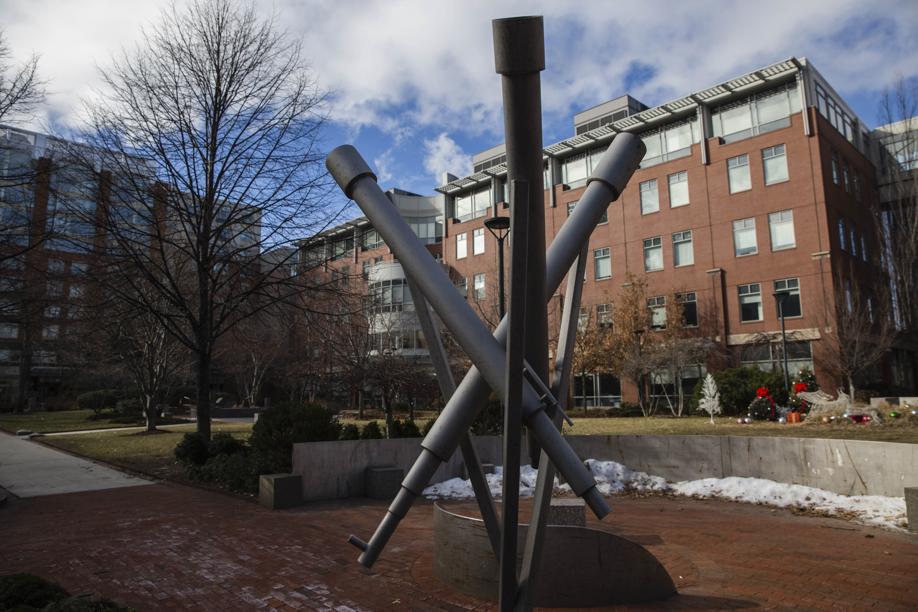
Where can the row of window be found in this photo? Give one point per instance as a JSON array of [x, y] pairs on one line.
[[478, 243], [848, 240], [781, 230], [774, 166], [478, 286], [10, 331], [844, 176], [787, 295]]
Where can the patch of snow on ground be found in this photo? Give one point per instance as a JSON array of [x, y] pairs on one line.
[[613, 477]]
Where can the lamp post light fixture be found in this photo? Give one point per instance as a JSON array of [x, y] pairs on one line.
[[780, 296], [499, 227]]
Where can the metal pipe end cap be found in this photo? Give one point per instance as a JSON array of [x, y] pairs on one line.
[[519, 45], [619, 162], [346, 166]]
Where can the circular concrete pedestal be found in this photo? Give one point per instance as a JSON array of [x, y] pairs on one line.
[[580, 567]]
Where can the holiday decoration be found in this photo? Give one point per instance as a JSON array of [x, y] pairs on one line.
[[894, 415], [710, 397], [763, 406], [804, 382], [782, 420]]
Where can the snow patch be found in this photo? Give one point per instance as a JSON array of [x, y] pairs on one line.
[[613, 478]]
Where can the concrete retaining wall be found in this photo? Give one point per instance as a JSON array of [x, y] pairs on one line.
[[849, 467], [333, 470]]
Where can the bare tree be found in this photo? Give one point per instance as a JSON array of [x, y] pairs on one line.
[[207, 138], [861, 333], [677, 350], [631, 343], [21, 89], [898, 210], [590, 354]]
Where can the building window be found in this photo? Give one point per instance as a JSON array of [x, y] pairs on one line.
[[857, 186], [790, 288], [574, 170], [462, 245], [689, 302], [473, 205], [365, 272], [671, 143], [842, 235], [774, 163], [9, 331], [870, 309], [781, 228], [653, 254], [478, 241], [604, 314], [846, 176], [657, 307], [744, 242], [678, 189], [849, 297], [756, 114], [836, 175], [603, 219], [55, 288], [583, 318], [683, 253], [462, 286], [602, 263], [50, 332], [479, 286], [750, 301], [371, 240], [56, 266], [864, 249], [650, 199], [53, 312], [738, 173], [76, 291]]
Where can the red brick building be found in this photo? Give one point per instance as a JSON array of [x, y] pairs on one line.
[[761, 184]]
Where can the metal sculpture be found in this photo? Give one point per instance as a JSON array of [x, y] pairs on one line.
[[518, 373]]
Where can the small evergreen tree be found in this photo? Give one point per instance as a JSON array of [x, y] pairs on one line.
[[710, 397]]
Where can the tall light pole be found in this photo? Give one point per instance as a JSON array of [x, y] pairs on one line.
[[499, 227], [780, 296]]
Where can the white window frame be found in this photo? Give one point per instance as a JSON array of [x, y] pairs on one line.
[[478, 241], [651, 244], [682, 238], [650, 204], [736, 166], [779, 219], [769, 154], [657, 307], [748, 224], [678, 178], [462, 245], [750, 290], [479, 290], [601, 256]]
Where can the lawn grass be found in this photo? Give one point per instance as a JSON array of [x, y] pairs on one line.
[[899, 430], [63, 420], [138, 451]]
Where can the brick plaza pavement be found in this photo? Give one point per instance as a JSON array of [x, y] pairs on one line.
[[167, 547]]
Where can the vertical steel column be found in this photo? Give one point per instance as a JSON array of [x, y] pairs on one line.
[[513, 407], [519, 56], [541, 501], [447, 388]]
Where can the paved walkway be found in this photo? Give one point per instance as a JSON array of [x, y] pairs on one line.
[[167, 547], [29, 469]]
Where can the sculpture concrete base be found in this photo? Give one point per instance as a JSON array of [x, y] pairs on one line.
[[581, 567]]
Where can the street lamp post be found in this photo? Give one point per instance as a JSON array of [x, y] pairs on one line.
[[780, 296], [499, 227]]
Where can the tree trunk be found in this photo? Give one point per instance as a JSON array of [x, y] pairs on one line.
[[203, 383], [149, 412], [387, 410]]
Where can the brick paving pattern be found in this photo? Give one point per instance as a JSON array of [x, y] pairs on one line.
[[170, 547]]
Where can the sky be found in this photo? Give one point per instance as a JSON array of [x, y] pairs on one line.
[[412, 85]]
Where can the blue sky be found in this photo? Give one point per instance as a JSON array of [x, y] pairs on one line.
[[412, 83]]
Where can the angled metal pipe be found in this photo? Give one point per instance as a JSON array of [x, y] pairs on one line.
[[605, 185], [448, 387]]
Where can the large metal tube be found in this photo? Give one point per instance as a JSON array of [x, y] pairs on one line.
[[604, 186], [470, 332], [519, 57]]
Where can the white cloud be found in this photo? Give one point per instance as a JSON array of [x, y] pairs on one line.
[[383, 165], [405, 65], [443, 154]]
